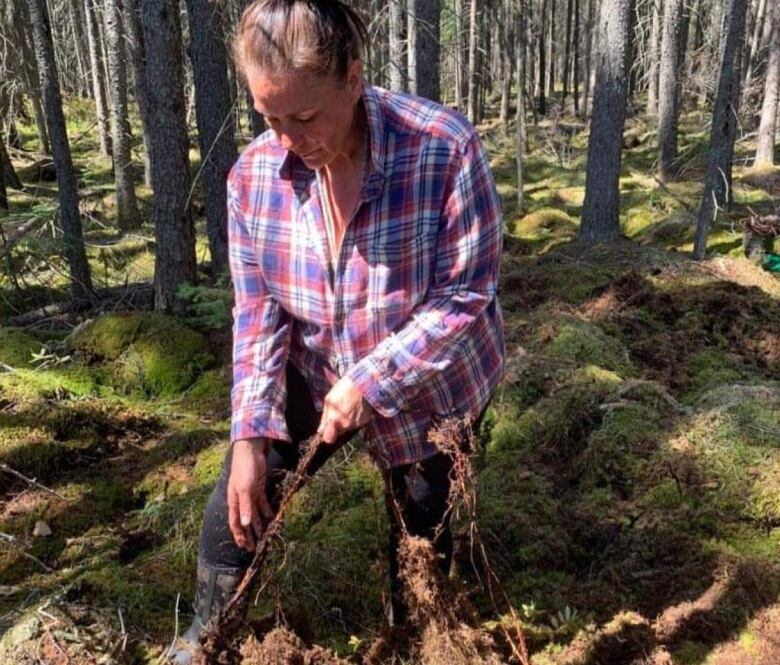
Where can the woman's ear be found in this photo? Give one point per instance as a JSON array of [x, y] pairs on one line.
[[355, 80]]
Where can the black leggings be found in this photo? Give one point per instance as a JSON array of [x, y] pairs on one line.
[[420, 490]]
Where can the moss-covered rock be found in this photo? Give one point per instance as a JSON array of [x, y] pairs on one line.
[[148, 352], [545, 223]]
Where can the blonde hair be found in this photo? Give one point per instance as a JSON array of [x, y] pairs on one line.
[[320, 37]]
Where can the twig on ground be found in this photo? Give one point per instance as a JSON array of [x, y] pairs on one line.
[[30, 481], [14, 543]]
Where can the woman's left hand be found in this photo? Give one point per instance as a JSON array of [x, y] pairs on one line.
[[344, 410]]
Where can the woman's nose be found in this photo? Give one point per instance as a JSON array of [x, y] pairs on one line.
[[290, 136]]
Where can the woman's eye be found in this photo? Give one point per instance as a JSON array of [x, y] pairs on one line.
[[305, 120]]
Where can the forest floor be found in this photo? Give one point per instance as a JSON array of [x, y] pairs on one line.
[[628, 476]]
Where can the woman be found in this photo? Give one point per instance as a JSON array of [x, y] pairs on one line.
[[365, 237]]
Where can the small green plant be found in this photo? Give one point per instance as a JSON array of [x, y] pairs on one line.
[[209, 306]]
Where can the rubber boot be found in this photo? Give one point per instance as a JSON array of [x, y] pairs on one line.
[[215, 587]]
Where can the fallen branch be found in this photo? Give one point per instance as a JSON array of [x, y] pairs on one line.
[[30, 481], [222, 628], [8, 539]]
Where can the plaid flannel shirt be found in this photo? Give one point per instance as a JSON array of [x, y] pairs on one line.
[[409, 312]]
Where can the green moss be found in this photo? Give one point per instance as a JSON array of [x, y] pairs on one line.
[[335, 572], [152, 353], [545, 223], [583, 343], [710, 368], [17, 347], [209, 464], [556, 421]]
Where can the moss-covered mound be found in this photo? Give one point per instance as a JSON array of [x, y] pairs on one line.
[[17, 347], [144, 352]]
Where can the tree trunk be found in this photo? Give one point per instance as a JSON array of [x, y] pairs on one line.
[[588, 69], [411, 45], [473, 100], [507, 61], [424, 48], [668, 89], [542, 58], [767, 128], [127, 207], [98, 82], [397, 62], [174, 230], [216, 132], [520, 129], [461, 75], [601, 209], [758, 26], [19, 23], [133, 25], [576, 73], [81, 284], [7, 171], [76, 23], [553, 38], [653, 59], [717, 186], [567, 52]]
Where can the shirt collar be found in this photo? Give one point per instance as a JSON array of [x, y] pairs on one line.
[[293, 168]]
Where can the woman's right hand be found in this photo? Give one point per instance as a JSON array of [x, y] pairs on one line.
[[248, 506]]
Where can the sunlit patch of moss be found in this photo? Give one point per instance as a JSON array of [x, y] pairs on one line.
[[737, 445], [209, 464], [146, 606], [152, 353], [557, 421], [17, 347], [572, 339], [545, 223]]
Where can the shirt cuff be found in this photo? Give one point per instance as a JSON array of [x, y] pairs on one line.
[[380, 389], [258, 422]]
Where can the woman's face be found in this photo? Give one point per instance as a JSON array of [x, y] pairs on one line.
[[311, 115]]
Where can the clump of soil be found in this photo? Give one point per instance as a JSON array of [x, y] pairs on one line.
[[283, 647]]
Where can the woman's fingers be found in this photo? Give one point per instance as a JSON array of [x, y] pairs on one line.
[[249, 519], [234, 521]]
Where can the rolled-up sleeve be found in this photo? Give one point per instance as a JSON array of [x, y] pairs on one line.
[[261, 339], [468, 251]]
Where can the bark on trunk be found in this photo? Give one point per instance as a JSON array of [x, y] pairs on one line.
[[411, 45], [653, 58], [96, 76], [668, 90], [133, 24], [460, 59], [7, 172], [397, 62], [717, 186], [542, 58], [174, 230], [767, 128], [473, 100], [426, 48], [81, 284], [576, 73], [216, 131], [127, 207], [601, 209], [758, 26], [520, 113]]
